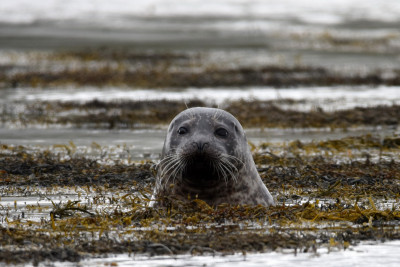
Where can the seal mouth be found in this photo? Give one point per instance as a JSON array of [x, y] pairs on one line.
[[201, 171]]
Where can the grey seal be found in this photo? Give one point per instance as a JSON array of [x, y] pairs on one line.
[[206, 156]]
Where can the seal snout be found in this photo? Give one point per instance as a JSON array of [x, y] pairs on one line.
[[201, 146]]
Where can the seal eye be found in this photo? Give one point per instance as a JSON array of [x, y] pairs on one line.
[[221, 132], [182, 130]]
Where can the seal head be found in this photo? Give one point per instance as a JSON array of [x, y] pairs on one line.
[[206, 156]]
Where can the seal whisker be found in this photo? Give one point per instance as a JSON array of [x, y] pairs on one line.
[[236, 159], [165, 164], [231, 168], [190, 113], [186, 105], [217, 114], [171, 165], [166, 160], [232, 173], [225, 158], [180, 169], [223, 172], [175, 163], [227, 173]]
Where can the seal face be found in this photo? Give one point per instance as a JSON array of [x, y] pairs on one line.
[[206, 156]]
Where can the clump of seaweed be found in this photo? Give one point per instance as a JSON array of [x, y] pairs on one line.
[[61, 210], [108, 67], [252, 113], [48, 169], [266, 114]]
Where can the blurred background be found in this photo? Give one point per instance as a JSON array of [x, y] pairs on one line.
[[115, 72], [336, 33]]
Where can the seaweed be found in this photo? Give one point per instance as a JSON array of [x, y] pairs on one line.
[[166, 70], [125, 114], [321, 202]]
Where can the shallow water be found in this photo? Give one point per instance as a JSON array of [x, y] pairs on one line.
[[365, 254], [345, 35], [147, 144]]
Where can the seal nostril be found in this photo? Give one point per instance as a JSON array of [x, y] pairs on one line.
[[195, 145], [205, 145], [200, 145]]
